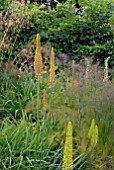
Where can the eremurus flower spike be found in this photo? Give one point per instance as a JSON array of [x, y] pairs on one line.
[[93, 134], [45, 100], [68, 150], [38, 64], [52, 69], [91, 130], [94, 138]]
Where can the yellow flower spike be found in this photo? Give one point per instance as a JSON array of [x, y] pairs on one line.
[[91, 130], [96, 134], [52, 69], [38, 41], [68, 150], [94, 138], [93, 134], [38, 64], [45, 100]]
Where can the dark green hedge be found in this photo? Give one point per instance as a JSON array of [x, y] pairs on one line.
[[87, 34], [78, 33]]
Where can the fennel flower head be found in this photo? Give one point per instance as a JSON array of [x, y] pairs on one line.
[[38, 64], [68, 149]]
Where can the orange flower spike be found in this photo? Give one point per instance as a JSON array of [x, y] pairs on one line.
[[45, 100], [52, 69], [38, 64]]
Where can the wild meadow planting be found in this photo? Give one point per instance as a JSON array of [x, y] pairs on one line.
[[57, 86]]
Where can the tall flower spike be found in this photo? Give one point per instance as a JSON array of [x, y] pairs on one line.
[[52, 69], [106, 70], [94, 138], [93, 134], [38, 64], [68, 149], [91, 130], [45, 100]]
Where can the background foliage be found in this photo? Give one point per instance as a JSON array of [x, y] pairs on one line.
[[76, 32]]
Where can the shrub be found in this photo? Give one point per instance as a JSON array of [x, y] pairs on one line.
[[87, 34]]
